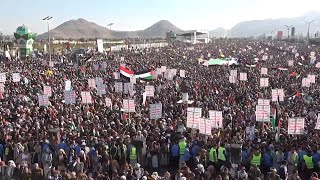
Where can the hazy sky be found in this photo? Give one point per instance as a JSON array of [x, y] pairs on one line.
[[139, 14]]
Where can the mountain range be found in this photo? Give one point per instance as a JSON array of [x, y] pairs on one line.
[[81, 28]]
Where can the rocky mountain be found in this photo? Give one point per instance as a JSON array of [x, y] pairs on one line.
[[82, 28], [219, 32]]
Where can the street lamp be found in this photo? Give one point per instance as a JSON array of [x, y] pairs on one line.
[[288, 28], [309, 29], [49, 42]]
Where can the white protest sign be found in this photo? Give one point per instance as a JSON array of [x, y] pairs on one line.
[[202, 126], [99, 81], [277, 94], [290, 63], [312, 78], [69, 97], [116, 75], [182, 73], [263, 102], [264, 71], [232, 79], [149, 91], [317, 65], [3, 77], [312, 54], [91, 83], [296, 125], [101, 89], [1, 88], [67, 86], [264, 57], [163, 69], [209, 125], [271, 57], [47, 91], [16, 77], [185, 97], [305, 82], [318, 122], [234, 73], [122, 58], [118, 87], [108, 102], [127, 88], [43, 100], [264, 82], [86, 97], [216, 118], [155, 111], [263, 113], [243, 77], [281, 94], [193, 117], [128, 105]]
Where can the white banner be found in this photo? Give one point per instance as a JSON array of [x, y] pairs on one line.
[[277, 93], [149, 91], [263, 113], [43, 100], [193, 117], [264, 71], [232, 79], [216, 118], [69, 97], [264, 82], [234, 73], [296, 126], [47, 91], [243, 77], [1, 88], [67, 86], [118, 87], [263, 102], [86, 97], [127, 88], [128, 105], [16, 77], [155, 111], [3, 77]]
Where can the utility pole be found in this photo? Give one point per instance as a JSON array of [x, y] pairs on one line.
[[288, 28], [308, 35], [49, 41]]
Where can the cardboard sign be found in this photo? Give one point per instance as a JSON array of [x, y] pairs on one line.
[[149, 91], [306, 82], [290, 63], [16, 77], [116, 75], [108, 102], [263, 102], [91, 83], [243, 77], [47, 91], [296, 125], [234, 73], [69, 97], [67, 86], [182, 73], [264, 82], [128, 105], [232, 79], [118, 87], [216, 118], [155, 111], [3, 77], [263, 113], [86, 97], [264, 71], [43, 100]]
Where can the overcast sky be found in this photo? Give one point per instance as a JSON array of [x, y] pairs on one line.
[[140, 14]]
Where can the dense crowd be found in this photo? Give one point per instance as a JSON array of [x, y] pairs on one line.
[[94, 141]]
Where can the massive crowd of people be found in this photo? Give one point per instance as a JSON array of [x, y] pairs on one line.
[[95, 141]]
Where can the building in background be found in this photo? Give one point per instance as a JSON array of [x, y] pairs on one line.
[[25, 39], [193, 36]]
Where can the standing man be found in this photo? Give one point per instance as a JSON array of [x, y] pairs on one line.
[[221, 155], [213, 159], [182, 148], [307, 165], [133, 156]]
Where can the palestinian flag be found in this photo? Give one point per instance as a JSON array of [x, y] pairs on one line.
[[126, 72], [144, 75], [275, 118]]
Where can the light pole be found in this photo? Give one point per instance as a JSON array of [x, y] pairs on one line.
[[49, 41], [309, 29], [1, 40], [109, 25], [288, 28]]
